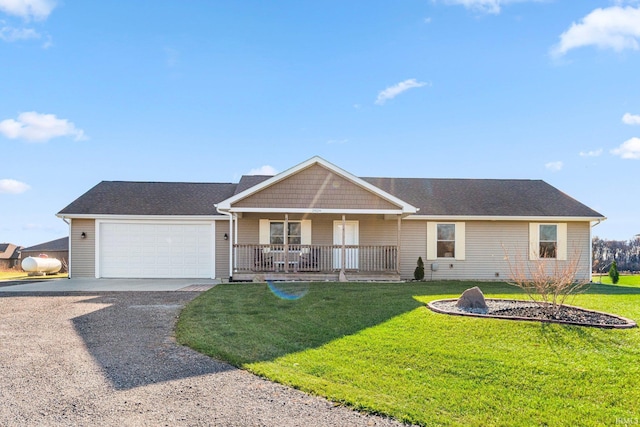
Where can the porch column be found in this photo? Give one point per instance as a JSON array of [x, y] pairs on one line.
[[344, 249], [398, 244], [286, 243]]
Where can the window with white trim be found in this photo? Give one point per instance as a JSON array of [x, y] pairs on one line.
[[446, 240], [276, 233], [548, 241], [299, 232]]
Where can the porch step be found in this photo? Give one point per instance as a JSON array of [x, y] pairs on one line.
[[372, 277], [353, 276]]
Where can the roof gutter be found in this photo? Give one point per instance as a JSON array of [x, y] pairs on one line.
[[505, 218]]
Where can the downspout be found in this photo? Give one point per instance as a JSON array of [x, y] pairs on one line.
[[231, 237], [68, 248], [591, 250]]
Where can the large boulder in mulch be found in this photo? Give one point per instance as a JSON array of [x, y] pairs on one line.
[[472, 298]]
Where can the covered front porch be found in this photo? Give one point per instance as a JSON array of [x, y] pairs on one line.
[[314, 221], [315, 247], [315, 262]]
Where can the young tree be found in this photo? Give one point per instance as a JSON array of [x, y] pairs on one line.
[[613, 273], [547, 282], [418, 273]]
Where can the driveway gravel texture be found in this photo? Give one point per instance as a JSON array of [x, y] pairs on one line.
[[110, 359]]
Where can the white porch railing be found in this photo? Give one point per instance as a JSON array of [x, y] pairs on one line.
[[314, 258]]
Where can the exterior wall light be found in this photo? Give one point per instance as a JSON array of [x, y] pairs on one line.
[[226, 236], [83, 235]]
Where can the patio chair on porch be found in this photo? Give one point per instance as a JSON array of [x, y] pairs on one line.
[[310, 261], [262, 261]]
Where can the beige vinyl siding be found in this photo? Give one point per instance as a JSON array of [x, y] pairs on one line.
[[249, 229], [315, 187], [413, 245], [487, 244], [376, 231], [373, 229], [222, 250], [83, 251], [579, 244]]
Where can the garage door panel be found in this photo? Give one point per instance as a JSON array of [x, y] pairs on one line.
[[148, 250]]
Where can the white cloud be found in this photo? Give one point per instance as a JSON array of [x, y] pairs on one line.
[[10, 34], [395, 90], [616, 28], [28, 9], [47, 43], [554, 166], [631, 119], [263, 170], [592, 153], [11, 186], [630, 149], [486, 6], [33, 126]]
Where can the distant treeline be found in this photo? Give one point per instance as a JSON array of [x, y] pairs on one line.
[[626, 254]]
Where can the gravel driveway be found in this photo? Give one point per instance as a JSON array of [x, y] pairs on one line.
[[110, 359]]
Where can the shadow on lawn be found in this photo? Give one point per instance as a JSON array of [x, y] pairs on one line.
[[560, 337], [604, 289], [248, 323]]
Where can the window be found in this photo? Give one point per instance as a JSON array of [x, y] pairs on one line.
[[548, 241], [548, 247], [446, 240], [271, 232], [276, 233]]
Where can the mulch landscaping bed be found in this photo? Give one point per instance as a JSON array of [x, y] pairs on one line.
[[532, 311]]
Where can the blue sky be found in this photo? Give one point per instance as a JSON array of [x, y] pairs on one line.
[[211, 90]]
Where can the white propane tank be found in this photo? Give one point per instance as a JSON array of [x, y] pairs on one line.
[[41, 265]]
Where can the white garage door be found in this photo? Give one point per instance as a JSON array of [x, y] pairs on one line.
[[148, 250]]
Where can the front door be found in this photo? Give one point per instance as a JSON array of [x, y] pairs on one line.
[[351, 239]]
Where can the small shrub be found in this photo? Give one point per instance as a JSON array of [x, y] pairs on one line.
[[613, 273], [418, 273]]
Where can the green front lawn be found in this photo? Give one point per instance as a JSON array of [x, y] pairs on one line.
[[376, 347]]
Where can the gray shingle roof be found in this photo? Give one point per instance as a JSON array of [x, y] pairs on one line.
[[61, 244], [150, 198], [472, 197], [248, 181], [483, 197]]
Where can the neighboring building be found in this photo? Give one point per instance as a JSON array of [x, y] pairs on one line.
[[316, 221], [58, 249], [9, 256]]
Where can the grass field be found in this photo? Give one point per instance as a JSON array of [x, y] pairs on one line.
[[377, 348], [21, 275], [628, 280]]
